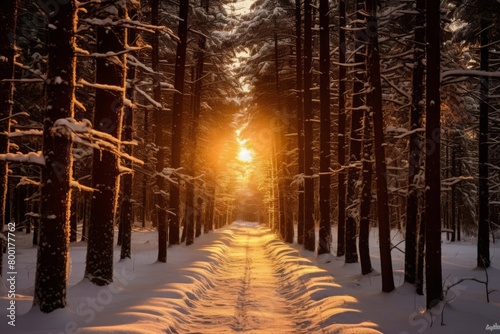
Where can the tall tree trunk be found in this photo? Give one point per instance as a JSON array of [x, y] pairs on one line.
[[433, 274], [160, 124], [108, 118], [300, 121], [309, 233], [415, 147], [366, 197], [8, 15], [53, 248], [325, 231], [126, 217], [192, 208], [341, 133], [375, 97], [351, 254], [177, 111], [483, 237]]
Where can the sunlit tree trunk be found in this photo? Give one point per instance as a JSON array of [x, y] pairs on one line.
[[177, 111], [433, 274], [415, 145], [53, 249], [8, 17], [126, 217], [309, 233], [341, 133], [325, 232], [108, 118]]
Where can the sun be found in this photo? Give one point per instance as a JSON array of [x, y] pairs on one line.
[[245, 155]]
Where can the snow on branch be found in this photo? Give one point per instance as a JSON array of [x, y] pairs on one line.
[[468, 73], [36, 158], [25, 181], [137, 63], [134, 24], [454, 180], [85, 135], [80, 187], [101, 86], [31, 132], [149, 98]]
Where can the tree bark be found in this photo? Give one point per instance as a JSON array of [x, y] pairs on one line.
[[415, 145], [8, 15], [325, 232], [351, 253], [433, 274], [300, 121], [160, 124], [341, 133], [483, 234], [126, 217], [53, 248], [375, 97], [177, 111], [108, 118], [309, 233], [366, 197]]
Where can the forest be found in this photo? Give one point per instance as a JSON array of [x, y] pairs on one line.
[[324, 120]]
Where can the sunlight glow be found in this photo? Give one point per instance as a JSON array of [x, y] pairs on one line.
[[245, 155]]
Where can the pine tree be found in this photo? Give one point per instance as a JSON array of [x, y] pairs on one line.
[[108, 118], [325, 237], [177, 113], [8, 15], [433, 274], [53, 248]]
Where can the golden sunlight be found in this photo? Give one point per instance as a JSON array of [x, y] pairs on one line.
[[245, 155]]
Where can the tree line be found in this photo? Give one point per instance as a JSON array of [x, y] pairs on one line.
[[381, 107]]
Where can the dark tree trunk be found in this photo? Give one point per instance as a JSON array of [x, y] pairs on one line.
[[300, 121], [53, 248], [419, 272], [73, 219], [366, 197], [177, 111], [341, 133], [105, 165], [199, 216], [351, 253], [433, 274], [160, 124], [453, 193], [309, 233], [126, 217], [325, 232], [483, 237], [8, 17], [375, 97], [415, 145]]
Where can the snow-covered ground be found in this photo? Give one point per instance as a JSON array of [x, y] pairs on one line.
[[242, 279]]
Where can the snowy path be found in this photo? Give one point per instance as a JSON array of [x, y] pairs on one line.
[[246, 298], [263, 286]]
